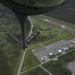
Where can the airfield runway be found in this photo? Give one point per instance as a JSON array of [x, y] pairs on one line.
[[65, 12]]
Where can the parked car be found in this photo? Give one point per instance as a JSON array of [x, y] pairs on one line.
[[59, 50], [50, 54]]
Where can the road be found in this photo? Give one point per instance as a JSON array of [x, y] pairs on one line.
[[23, 57], [36, 67], [46, 70], [30, 69], [21, 63], [48, 22], [31, 26]]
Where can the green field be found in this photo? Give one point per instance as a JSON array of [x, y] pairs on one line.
[[59, 67], [67, 57], [10, 51], [36, 71], [10, 54]]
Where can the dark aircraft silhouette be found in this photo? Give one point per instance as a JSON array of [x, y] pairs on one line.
[[24, 8]]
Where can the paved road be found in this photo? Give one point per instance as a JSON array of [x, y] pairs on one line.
[[36, 67], [31, 26], [30, 69], [48, 22], [21, 63], [46, 70], [23, 57]]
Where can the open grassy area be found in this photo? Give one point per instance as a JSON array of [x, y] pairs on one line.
[[10, 51], [59, 67], [65, 35], [50, 33], [67, 57], [56, 68], [30, 60], [10, 54], [36, 71]]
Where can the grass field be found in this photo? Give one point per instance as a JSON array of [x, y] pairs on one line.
[[36, 71], [67, 57], [50, 33], [30, 60], [56, 68], [10, 51], [59, 67], [10, 54]]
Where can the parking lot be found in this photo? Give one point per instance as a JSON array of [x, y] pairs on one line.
[[52, 49]]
